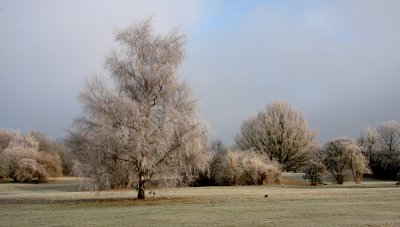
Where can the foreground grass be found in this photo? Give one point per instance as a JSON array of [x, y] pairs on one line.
[[59, 203]]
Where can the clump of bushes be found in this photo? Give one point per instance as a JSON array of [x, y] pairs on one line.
[[339, 157], [23, 159], [230, 166], [315, 172], [29, 171], [246, 168]]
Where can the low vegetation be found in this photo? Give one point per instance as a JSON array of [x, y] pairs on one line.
[[246, 168], [315, 172], [24, 158], [29, 171]]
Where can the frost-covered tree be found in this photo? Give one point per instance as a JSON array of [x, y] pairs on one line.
[[315, 172], [368, 142], [337, 157], [281, 133], [144, 125], [341, 155], [389, 136], [358, 165], [386, 161], [6, 136]]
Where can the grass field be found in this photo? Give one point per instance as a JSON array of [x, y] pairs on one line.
[[59, 203]]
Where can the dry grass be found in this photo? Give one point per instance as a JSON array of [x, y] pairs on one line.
[[293, 204]]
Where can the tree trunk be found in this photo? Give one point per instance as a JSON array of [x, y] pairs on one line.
[[340, 179], [141, 188]]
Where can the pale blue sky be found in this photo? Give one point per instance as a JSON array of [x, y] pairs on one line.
[[336, 61]]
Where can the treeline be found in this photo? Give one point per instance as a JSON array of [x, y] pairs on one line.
[[276, 139], [279, 136], [376, 152]]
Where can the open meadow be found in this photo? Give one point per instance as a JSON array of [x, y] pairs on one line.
[[60, 203]]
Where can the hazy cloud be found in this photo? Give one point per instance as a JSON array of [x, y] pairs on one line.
[[336, 61]]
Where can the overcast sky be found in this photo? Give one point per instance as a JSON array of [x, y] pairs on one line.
[[338, 62]]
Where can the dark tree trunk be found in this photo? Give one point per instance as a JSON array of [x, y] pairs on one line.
[[340, 179], [141, 188]]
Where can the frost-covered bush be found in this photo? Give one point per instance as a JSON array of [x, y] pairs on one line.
[[26, 147], [51, 162], [29, 171], [358, 165], [315, 172], [342, 155], [257, 170], [10, 157], [229, 169], [246, 168]]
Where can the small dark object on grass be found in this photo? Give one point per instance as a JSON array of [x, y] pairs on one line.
[[265, 196], [154, 193]]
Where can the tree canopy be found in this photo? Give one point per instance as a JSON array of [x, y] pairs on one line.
[[280, 132], [145, 124]]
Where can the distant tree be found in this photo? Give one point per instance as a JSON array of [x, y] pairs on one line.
[[389, 135], [368, 142], [219, 150], [281, 133], [340, 155], [207, 177], [146, 126], [337, 157], [358, 164], [230, 169], [6, 136], [386, 161], [315, 171]]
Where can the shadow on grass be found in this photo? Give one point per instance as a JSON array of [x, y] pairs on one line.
[[104, 201]]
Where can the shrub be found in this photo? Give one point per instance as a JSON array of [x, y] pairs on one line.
[[259, 171], [51, 162], [29, 171], [315, 171], [229, 169], [246, 168], [358, 165], [10, 157]]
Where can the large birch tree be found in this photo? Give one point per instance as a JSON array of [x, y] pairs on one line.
[[143, 125]]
